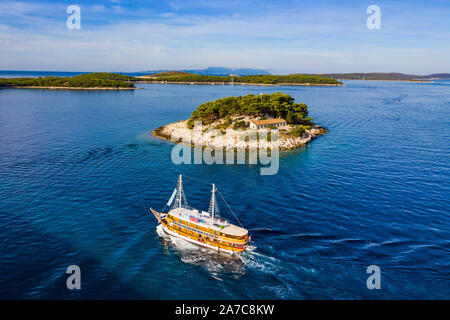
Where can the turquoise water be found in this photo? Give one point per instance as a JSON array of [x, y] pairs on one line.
[[79, 171]]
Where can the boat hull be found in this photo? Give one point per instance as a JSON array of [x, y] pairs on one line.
[[207, 241], [202, 244]]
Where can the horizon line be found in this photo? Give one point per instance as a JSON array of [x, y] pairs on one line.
[[317, 73]]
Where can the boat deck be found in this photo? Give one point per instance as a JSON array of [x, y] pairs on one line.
[[203, 219]]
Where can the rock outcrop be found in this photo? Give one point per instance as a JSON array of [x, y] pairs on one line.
[[236, 139]]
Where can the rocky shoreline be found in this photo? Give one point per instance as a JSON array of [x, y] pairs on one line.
[[234, 139], [243, 84]]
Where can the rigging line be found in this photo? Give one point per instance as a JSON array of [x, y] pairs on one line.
[[208, 183], [229, 207]]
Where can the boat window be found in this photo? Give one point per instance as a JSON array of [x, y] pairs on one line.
[[236, 237]]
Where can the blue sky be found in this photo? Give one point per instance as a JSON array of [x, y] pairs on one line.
[[279, 36]]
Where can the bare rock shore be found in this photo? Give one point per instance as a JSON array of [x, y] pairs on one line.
[[235, 139]]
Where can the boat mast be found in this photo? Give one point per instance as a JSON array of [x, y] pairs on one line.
[[213, 202], [180, 191]]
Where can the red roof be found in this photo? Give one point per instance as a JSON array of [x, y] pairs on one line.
[[268, 121]]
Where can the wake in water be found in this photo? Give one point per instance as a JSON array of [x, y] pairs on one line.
[[219, 263], [260, 262], [214, 262]]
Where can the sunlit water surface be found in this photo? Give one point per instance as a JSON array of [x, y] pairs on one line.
[[79, 170]]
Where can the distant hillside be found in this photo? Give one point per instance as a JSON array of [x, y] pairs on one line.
[[383, 76], [170, 74], [437, 76], [216, 71], [250, 72], [221, 71], [370, 76]]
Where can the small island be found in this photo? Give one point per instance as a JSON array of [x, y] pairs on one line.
[[180, 77], [117, 81], [233, 118], [386, 76], [87, 81]]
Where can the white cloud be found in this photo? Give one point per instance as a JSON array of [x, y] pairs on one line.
[[98, 8], [167, 14], [118, 9], [283, 41]]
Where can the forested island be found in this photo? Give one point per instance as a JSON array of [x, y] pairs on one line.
[[232, 118], [385, 76], [213, 71], [267, 79], [97, 80], [103, 80]]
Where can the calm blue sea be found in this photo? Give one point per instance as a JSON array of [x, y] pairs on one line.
[[79, 170]]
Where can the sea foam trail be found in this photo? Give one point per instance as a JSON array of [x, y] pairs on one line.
[[217, 263]]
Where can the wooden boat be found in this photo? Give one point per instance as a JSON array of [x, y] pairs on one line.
[[206, 229]]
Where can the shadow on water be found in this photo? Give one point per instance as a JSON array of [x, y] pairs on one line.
[[49, 257], [266, 231], [140, 143]]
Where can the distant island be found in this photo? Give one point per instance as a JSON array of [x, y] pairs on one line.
[[103, 80], [88, 81], [388, 76], [222, 71], [234, 117], [181, 77], [216, 71], [119, 81]]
